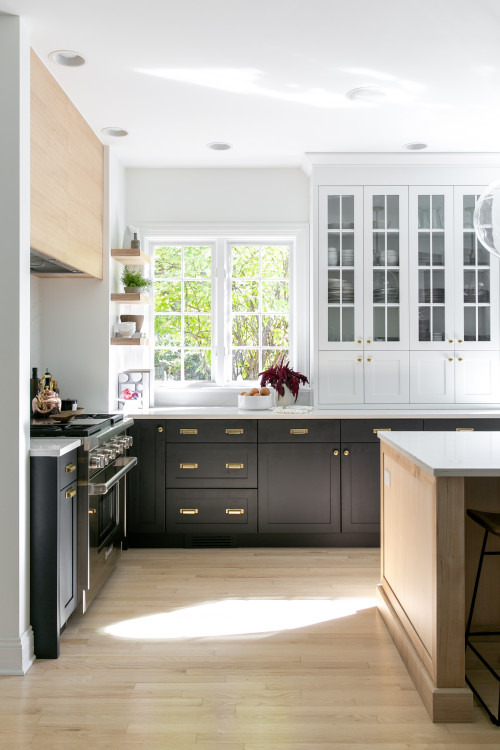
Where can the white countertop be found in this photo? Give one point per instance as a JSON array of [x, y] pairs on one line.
[[232, 412], [449, 454], [53, 446]]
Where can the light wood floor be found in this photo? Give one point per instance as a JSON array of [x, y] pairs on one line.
[[334, 684]]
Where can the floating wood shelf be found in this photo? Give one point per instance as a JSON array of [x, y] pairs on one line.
[[130, 298], [130, 256], [122, 341]]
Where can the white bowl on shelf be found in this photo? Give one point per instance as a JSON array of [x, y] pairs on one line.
[[254, 403], [126, 329]]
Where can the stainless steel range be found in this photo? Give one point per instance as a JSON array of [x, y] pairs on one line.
[[102, 467]]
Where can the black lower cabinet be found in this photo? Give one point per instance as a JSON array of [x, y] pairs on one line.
[[299, 488], [360, 487], [53, 550], [146, 486], [211, 511]]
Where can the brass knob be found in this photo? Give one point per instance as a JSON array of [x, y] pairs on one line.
[[368, 359], [368, 341], [160, 429], [459, 359], [460, 341], [346, 453], [335, 453], [450, 359], [450, 341], [360, 359], [359, 341]]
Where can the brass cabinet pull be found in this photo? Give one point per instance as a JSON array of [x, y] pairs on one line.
[[188, 466], [70, 493], [459, 359], [299, 431], [450, 359], [360, 359], [450, 341], [70, 468], [368, 341], [235, 431], [460, 341], [235, 511], [160, 429], [188, 511], [368, 359], [335, 452], [235, 466], [464, 429], [381, 429], [359, 341], [346, 453], [92, 511], [188, 431]]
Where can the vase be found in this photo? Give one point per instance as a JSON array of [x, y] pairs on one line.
[[287, 399]]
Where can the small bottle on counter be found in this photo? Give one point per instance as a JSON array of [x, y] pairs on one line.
[[135, 243], [34, 385]]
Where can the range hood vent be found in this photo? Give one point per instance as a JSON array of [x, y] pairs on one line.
[[44, 265]]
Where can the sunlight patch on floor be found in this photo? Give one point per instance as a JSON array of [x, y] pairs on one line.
[[238, 617]]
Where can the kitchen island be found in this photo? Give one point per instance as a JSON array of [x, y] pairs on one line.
[[430, 550]]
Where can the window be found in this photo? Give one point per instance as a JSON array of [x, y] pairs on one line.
[[224, 307]]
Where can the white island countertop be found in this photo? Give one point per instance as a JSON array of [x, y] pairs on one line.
[[449, 454], [53, 446]]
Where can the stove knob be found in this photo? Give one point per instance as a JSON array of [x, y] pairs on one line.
[[98, 461], [109, 452], [123, 442], [130, 440], [117, 447]]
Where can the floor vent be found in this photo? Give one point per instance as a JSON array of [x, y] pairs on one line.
[[209, 541]]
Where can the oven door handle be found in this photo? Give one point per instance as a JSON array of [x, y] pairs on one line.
[[125, 465]]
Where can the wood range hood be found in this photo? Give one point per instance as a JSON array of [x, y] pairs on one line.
[[67, 184]]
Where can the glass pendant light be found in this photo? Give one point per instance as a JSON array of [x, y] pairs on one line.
[[487, 218]]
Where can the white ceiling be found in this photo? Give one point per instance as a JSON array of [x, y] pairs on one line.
[[270, 76]]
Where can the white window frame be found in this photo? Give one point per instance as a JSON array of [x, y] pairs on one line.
[[222, 236]]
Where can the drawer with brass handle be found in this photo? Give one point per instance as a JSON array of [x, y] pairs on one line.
[[67, 469], [211, 465], [211, 511], [463, 425], [299, 430], [367, 430], [211, 431]]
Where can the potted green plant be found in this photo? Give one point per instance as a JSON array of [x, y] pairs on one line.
[[285, 381], [133, 280]]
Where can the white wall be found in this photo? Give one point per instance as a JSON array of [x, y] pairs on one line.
[[217, 195], [16, 637], [36, 325]]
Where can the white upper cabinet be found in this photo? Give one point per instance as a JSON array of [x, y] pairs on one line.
[[340, 268], [408, 299]]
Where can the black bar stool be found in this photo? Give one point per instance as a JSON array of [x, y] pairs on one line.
[[490, 522]]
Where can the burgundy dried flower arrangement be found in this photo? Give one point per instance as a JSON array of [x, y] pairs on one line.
[[280, 375]]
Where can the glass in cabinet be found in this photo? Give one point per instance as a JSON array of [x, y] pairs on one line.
[[476, 279], [431, 263], [340, 268], [386, 268]]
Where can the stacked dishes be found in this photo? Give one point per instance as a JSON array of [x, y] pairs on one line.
[[335, 287], [348, 256]]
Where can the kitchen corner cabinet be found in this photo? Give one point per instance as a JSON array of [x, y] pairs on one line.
[[146, 486], [53, 550], [408, 299]]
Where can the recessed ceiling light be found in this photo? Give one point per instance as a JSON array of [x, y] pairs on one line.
[[67, 58], [366, 94], [415, 146], [114, 132], [219, 146]]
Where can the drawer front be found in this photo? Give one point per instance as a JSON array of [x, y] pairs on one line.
[[215, 465], [211, 511], [67, 468], [488, 423], [299, 430], [211, 431], [366, 430]]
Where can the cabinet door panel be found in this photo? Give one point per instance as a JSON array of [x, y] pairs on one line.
[[360, 487], [340, 378], [146, 484], [432, 377], [477, 377], [68, 592], [299, 488], [387, 378]]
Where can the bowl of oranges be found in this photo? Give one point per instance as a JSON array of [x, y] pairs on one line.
[[256, 398]]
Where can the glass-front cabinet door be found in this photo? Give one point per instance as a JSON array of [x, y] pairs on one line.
[[386, 268], [431, 268], [340, 267], [476, 280]]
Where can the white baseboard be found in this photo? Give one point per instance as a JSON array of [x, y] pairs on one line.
[[17, 654]]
